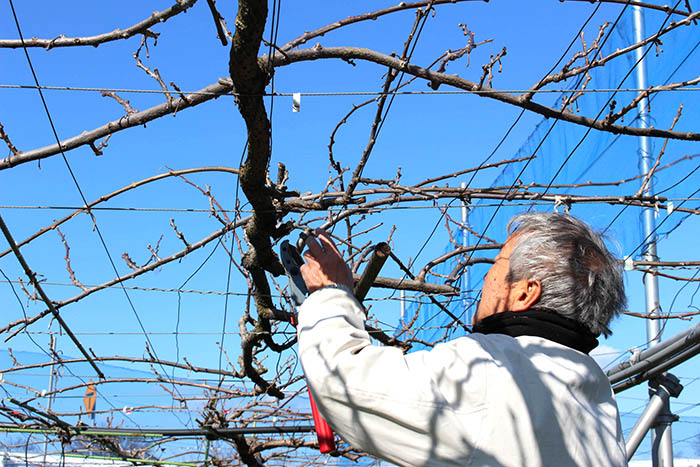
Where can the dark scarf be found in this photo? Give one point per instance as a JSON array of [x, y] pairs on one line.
[[541, 323]]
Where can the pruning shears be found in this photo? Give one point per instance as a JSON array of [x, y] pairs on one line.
[[292, 262]]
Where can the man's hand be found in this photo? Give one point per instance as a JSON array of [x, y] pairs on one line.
[[325, 265]]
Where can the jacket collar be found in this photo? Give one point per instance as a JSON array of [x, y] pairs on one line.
[[541, 323]]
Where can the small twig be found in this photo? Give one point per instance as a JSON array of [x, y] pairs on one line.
[[583, 53], [452, 55], [98, 149], [14, 360], [153, 257], [124, 102], [30, 296], [155, 74], [144, 43], [129, 261], [487, 74], [361, 255], [6, 139], [612, 118], [213, 203], [218, 22], [73, 279], [180, 93], [282, 175], [647, 179], [573, 99], [178, 233], [154, 252], [668, 276]]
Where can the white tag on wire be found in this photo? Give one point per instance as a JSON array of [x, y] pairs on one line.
[[296, 102], [557, 203]]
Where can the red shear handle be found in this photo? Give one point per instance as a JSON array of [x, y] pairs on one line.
[[326, 439]]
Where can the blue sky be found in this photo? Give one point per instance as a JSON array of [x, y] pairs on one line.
[[425, 135]]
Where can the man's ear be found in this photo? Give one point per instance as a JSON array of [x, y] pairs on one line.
[[524, 294]]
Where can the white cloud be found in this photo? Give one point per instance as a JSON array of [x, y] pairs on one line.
[[605, 355]]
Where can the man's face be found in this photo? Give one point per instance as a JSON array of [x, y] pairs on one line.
[[496, 292]]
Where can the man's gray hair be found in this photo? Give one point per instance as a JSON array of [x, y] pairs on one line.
[[580, 278]]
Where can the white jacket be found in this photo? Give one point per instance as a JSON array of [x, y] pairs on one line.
[[482, 400]]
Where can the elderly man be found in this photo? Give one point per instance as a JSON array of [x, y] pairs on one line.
[[521, 390]]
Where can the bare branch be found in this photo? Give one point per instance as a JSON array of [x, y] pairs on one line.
[[169, 381], [473, 169], [250, 81], [245, 452], [133, 185], [683, 316], [129, 121], [457, 251], [667, 264], [650, 6], [51, 307], [618, 52], [461, 83], [307, 36], [378, 117], [156, 264], [138, 28]]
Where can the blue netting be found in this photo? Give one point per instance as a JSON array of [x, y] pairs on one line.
[[574, 155]]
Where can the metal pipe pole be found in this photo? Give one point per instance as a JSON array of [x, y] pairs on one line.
[[644, 422], [465, 243], [662, 452], [51, 386], [646, 162], [667, 385]]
